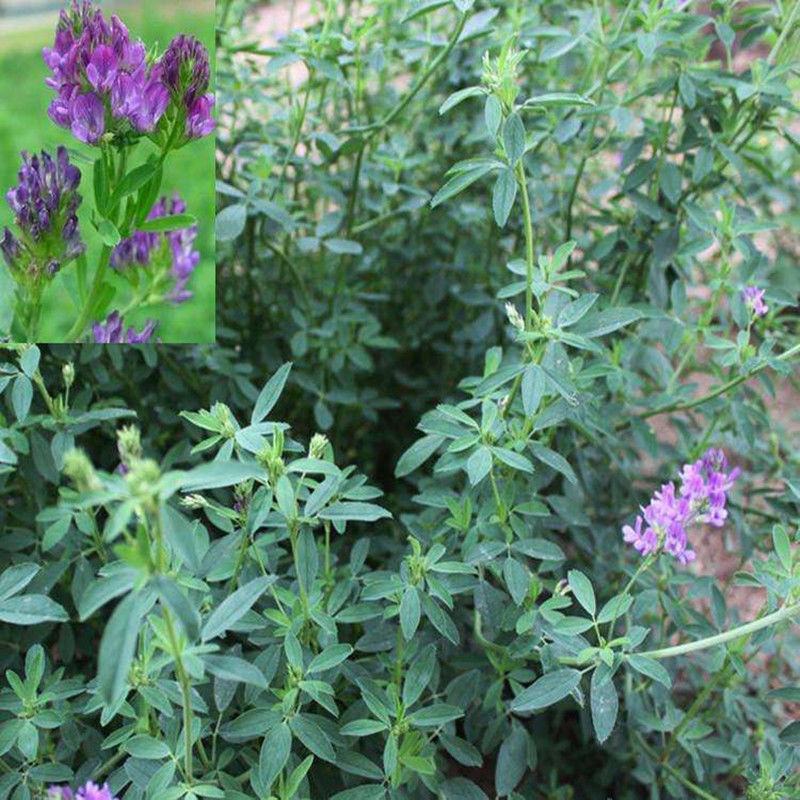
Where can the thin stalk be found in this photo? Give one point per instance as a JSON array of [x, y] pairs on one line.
[[785, 31], [587, 145], [643, 567], [679, 776], [526, 212], [787, 612], [94, 293], [689, 404], [186, 693], [372, 130]]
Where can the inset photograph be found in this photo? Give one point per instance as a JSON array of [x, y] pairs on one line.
[[106, 171]]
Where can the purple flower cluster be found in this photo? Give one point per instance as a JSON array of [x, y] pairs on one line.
[[701, 499], [185, 70], [753, 298], [89, 791], [104, 82], [112, 332], [45, 205], [101, 77], [142, 248]]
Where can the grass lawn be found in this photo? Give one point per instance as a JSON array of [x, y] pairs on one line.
[[24, 125]]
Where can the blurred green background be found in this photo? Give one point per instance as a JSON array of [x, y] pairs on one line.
[[25, 125]]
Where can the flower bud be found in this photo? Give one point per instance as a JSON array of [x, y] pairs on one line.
[[317, 445], [129, 445], [514, 317], [68, 374], [79, 469]]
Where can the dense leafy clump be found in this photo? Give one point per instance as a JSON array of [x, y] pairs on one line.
[[491, 487]]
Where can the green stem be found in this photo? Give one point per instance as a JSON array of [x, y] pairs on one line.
[[94, 293], [645, 565], [735, 633], [526, 212], [587, 145], [679, 776], [186, 693], [689, 404], [785, 31]]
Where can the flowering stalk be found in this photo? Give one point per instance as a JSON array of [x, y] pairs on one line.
[[784, 613]]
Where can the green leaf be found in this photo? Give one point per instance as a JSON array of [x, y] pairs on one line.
[[29, 361], [363, 512], [410, 611], [109, 234], [780, 541], [460, 182], [582, 589], [574, 311], [511, 762], [615, 608], [31, 609], [554, 460], [217, 474], [604, 702], [558, 99], [307, 559], [119, 644], [298, 773], [607, 321], [457, 97], [236, 670], [367, 791], [21, 396], [330, 657], [343, 247], [791, 733], [547, 690], [173, 222], [479, 464], [230, 222], [234, 607], [461, 789], [147, 747], [417, 454], [275, 750], [419, 675], [669, 179], [172, 596], [133, 181], [649, 667], [313, 737], [514, 138], [270, 393], [503, 195], [363, 727], [532, 388], [435, 715], [14, 579]]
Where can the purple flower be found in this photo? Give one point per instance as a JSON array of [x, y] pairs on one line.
[[88, 118], [101, 78], [111, 331], [45, 205], [175, 249], [753, 298], [89, 791], [701, 499], [102, 68], [185, 71], [185, 68], [199, 122]]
